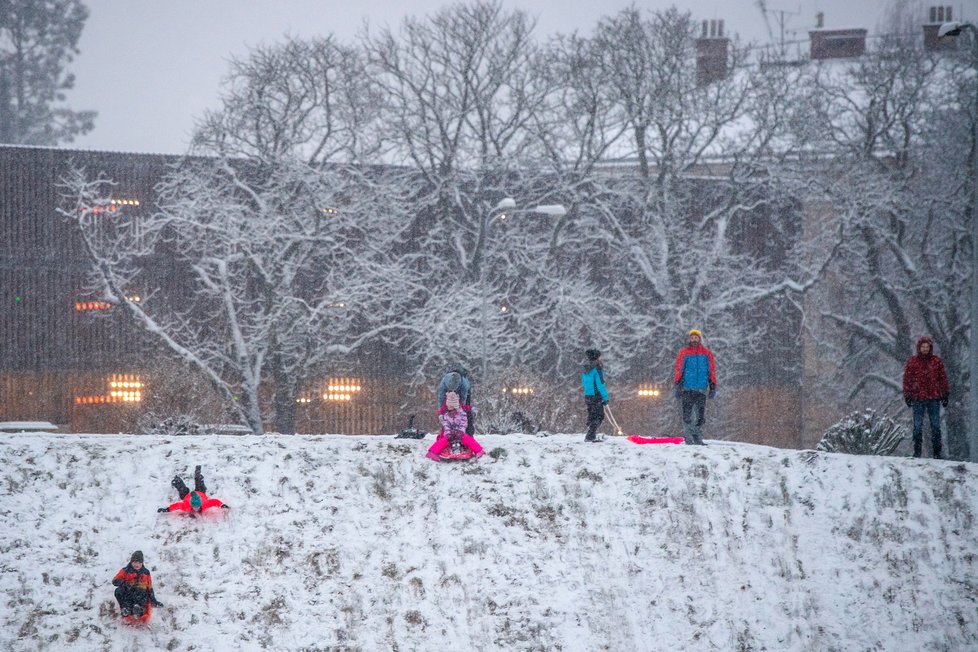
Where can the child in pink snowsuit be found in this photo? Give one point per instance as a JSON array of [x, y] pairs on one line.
[[454, 418]]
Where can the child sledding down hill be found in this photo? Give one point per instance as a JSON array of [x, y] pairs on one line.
[[192, 502], [134, 589], [453, 415]]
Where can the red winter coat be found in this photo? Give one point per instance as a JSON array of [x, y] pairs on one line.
[[924, 377], [134, 579], [184, 505]]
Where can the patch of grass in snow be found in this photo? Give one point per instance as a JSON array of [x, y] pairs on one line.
[[383, 482], [498, 453], [415, 618], [585, 474]]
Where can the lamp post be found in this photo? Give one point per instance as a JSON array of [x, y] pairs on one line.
[[506, 206], [950, 30]]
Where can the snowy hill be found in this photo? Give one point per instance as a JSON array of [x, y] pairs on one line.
[[359, 543]]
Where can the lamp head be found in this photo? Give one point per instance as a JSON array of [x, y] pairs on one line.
[[506, 204], [554, 210]]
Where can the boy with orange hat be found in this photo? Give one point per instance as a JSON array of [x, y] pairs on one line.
[[696, 378]]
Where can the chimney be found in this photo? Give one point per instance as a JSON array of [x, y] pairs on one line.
[[837, 43], [819, 20], [711, 53], [937, 15]]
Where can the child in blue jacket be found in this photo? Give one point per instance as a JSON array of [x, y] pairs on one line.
[[595, 392]]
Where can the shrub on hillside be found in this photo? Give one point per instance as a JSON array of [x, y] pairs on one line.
[[536, 405], [863, 433]]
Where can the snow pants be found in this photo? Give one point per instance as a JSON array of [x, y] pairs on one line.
[[694, 415], [933, 410], [182, 489], [443, 442], [129, 596], [595, 415]]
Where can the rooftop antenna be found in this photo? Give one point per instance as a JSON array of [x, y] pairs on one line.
[[781, 16]]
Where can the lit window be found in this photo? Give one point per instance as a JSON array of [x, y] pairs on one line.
[[122, 388], [89, 306], [329, 212], [648, 391], [341, 389], [518, 391], [113, 206]]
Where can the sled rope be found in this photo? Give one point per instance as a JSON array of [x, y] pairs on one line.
[[613, 421]]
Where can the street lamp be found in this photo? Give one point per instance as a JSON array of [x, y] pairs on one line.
[[954, 29], [505, 207]]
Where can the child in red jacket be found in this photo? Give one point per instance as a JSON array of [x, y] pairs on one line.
[[193, 502], [134, 588]]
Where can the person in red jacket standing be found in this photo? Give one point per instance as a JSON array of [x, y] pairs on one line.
[[925, 389], [193, 502]]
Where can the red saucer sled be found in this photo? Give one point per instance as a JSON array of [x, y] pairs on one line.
[[457, 454], [638, 439], [139, 620]]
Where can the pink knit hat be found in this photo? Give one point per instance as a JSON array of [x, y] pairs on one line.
[[451, 400]]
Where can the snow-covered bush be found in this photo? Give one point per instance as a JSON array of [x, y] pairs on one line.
[[863, 433], [152, 423], [523, 402]]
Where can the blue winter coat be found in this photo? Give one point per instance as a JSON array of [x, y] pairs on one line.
[[592, 378]]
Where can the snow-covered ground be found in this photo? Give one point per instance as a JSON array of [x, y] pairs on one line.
[[360, 543]]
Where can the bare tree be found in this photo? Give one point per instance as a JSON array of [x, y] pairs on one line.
[[675, 231], [279, 258], [897, 181], [462, 86], [264, 280]]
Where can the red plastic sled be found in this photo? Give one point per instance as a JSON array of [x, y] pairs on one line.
[[638, 439], [464, 453], [140, 620]]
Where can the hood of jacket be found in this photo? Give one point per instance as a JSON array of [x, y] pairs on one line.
[[920, 342]]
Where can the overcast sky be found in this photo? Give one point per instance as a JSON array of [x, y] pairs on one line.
[[151, 67]]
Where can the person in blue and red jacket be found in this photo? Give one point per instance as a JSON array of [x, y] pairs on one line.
[[926, 389], [134, 587], [696, 378], [192, 502]]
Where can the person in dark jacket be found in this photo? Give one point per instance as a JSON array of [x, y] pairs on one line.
[[926, 389], [595, 392], [192, 502], [696, 378], [457, 380], [134, 587]]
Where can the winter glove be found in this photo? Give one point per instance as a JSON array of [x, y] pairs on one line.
[[163, 510], [225, 507], [906, 399], [944, 401], [675, 391], [713, 392], [117, 582], [605, 402], [157, 603]]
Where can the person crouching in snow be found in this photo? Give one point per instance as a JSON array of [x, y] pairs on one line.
[[194, 502], [134, 587], [453, 415]]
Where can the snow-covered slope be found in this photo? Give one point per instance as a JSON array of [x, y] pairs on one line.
[[359, 543]]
